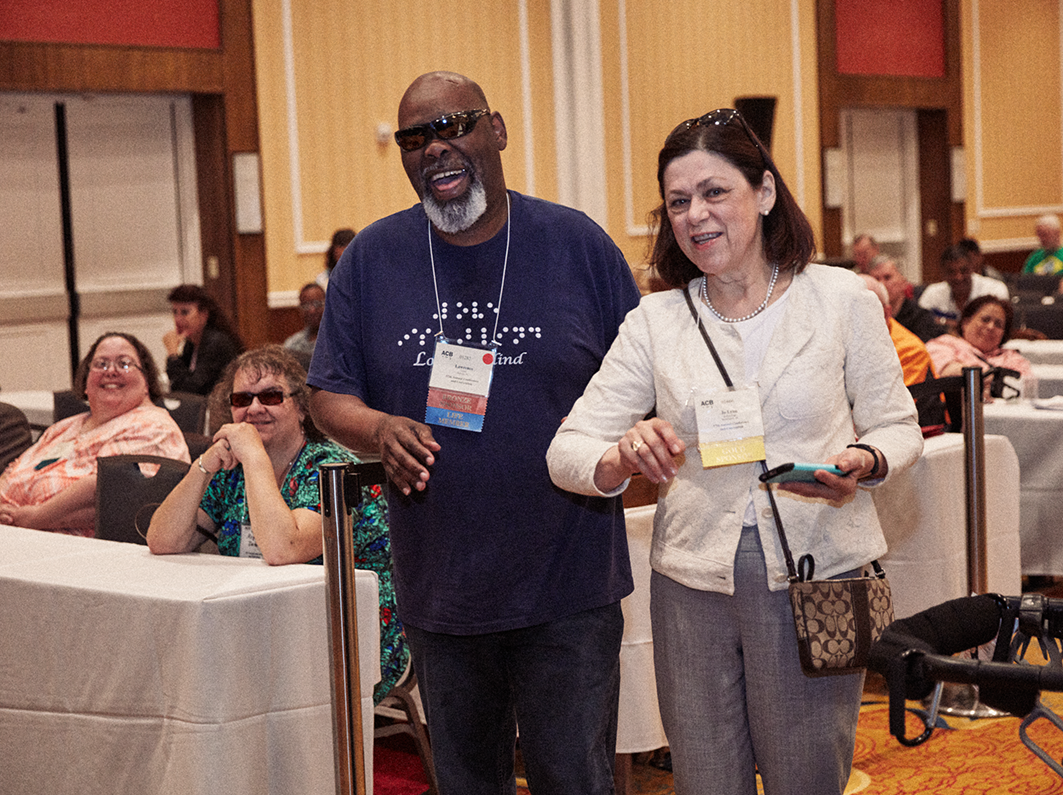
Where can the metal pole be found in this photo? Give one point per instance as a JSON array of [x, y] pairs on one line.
[[950, 697], [974, 445], [336, 529]]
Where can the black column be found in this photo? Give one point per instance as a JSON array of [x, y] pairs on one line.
[[68, 236]]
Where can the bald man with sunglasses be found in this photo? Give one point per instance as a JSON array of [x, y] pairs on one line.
[[457, 335]]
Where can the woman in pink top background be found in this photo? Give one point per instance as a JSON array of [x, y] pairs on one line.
[[52, 486]]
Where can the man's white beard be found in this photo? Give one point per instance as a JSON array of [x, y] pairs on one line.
[[458, 214]]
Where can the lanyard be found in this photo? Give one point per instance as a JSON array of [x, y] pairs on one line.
[[501, 289]]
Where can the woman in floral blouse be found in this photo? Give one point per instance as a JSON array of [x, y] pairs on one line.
[[256, 489]]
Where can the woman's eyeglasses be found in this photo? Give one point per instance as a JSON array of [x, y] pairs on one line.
[[446, 128], [721, 117], [125, 364], [267, 397]]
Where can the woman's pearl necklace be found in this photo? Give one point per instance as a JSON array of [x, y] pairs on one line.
[[754, 313]]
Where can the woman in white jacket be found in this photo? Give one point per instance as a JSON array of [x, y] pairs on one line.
[[813, 373]]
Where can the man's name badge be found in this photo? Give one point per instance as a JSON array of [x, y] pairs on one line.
[[730, 428], [458, 386]]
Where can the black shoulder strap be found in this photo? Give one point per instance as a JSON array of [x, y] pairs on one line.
[[705, 336], [791, 570]]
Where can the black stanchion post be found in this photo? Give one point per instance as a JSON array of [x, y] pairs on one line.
[[335, 479], [955, 698], [974, 444]]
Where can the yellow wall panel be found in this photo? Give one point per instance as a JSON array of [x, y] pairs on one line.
[[351, 63], [1012, 118], [697, 57], [1020, 108]]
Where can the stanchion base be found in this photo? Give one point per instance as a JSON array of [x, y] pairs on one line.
[[962, 701]]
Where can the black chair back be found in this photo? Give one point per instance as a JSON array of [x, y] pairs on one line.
[[15, 434], [188, 411], [939, 401], [1041, 283], [66, 404], [1046, 318], [198, 444], [126, 498]]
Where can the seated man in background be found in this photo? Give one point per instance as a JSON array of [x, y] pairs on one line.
[[978, 263], [904, 310], [864, 251], [1049, 258], [311, 307], [915, 361], [948, 298]]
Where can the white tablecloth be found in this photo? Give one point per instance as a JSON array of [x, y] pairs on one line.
[[126, 673], [1037, 436], [37, 404], [639, 721], [924, 517], [1039, 351], [1049, 379]]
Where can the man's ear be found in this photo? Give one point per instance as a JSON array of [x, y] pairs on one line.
[[498, 124]]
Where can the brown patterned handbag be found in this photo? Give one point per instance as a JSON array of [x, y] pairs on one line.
[[836, 620]]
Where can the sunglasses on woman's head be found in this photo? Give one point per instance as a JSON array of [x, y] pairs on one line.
[[721, 117], [267, 397], [446, 128]]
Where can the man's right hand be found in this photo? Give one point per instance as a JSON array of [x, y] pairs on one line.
[[407, 448]]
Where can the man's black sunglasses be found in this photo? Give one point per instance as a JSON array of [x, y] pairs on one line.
[[446, 128]]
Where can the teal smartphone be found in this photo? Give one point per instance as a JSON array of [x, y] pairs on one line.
[[803, 473]]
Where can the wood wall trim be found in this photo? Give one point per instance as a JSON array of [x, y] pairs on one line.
[[28, 66]]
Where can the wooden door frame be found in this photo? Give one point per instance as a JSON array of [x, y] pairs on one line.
[[225, 118], [939, 106]]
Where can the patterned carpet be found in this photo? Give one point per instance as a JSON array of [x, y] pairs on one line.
[[974, 757]]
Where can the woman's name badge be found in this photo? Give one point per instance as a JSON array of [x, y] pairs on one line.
[[248, 545], [730, 428], [458, 386]]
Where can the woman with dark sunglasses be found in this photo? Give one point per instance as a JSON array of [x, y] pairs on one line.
[[752, 359], [256, 488]]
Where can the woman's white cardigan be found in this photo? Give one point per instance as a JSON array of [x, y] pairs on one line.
[[830, 376]]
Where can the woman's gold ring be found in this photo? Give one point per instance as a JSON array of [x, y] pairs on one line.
[[635, 445]]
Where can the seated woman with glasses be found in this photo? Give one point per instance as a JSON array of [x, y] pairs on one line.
[[52, 486], [984, 326], [256, 488]]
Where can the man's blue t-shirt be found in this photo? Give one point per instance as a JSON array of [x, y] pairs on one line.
[[491, 544]]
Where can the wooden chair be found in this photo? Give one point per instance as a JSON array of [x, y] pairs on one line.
[[399, 713]]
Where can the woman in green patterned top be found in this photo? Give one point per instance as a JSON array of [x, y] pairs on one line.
[[256, 489]]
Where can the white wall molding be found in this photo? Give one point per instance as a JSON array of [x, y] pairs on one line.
[[579, 116], [283, 299]]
